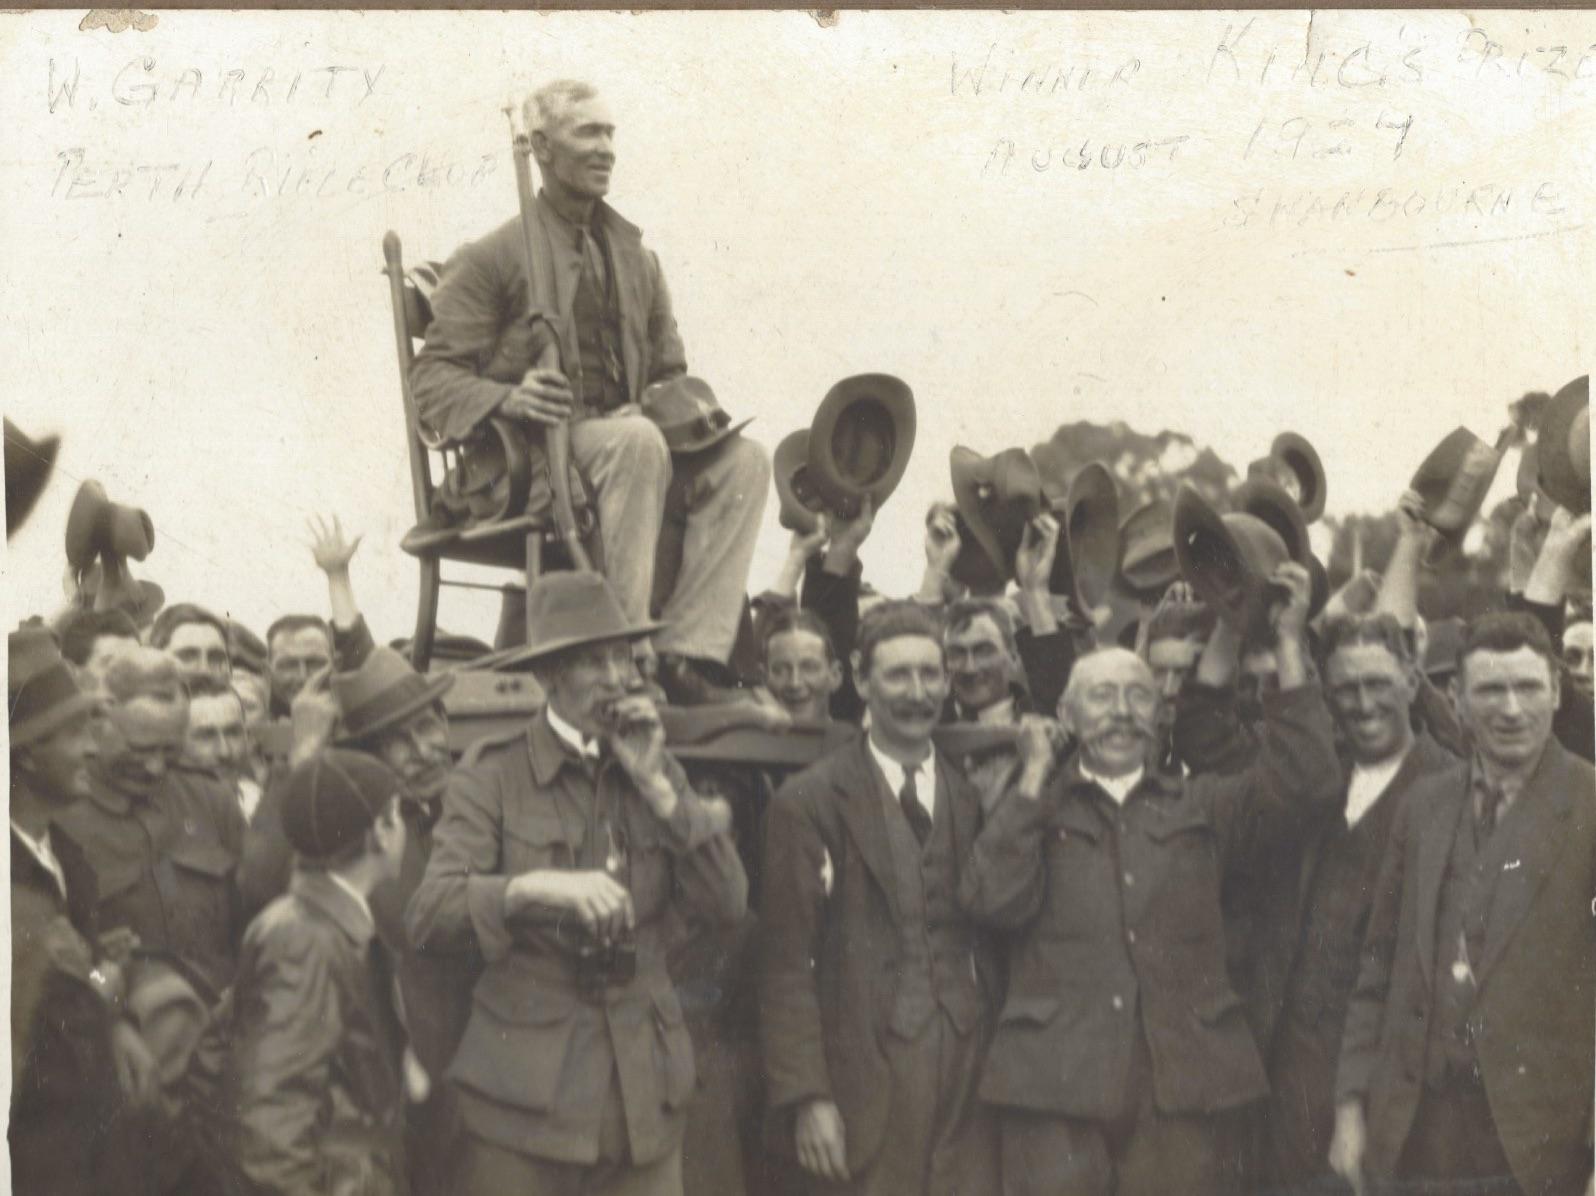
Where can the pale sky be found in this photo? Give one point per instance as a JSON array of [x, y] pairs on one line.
[[1369, 228]]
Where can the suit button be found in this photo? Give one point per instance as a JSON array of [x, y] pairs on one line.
[[1129, 880], [1118, 1002], [1130, 936]]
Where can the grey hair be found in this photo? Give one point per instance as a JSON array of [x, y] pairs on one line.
[[547, 105], [144, 672], [1072, 688]]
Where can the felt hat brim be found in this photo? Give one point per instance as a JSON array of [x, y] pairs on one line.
[[789, 471], [996, 496], [1224, 560], [1563, 447], [29, 464], [860, 441], [526, 657], [1088, 550], [385, 717]]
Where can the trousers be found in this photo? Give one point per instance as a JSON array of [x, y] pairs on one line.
[[719, 496]]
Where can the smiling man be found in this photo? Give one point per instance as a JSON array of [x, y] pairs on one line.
[[618, 335], [1470, 1042], [876, 992]]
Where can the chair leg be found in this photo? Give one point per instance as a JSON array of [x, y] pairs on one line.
[[534, 569], [426, 615]]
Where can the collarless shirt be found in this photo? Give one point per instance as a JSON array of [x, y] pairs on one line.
[[40, 850], [1368, 782], [1119, 788], [896, 775]]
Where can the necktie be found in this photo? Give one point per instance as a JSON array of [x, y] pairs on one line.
[[1490, 808], [909, 799]]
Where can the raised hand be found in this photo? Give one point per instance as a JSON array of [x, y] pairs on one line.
[[329, 546]]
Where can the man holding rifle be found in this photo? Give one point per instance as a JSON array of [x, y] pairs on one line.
[[617, 335]]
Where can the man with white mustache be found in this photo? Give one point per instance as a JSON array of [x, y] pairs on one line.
[[1122, 1056]]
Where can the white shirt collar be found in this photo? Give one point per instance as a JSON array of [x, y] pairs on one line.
[[998, 713], [1119, 788], [895, 774], [571, 737], [1368, 783], [358, 897], [40, 850]]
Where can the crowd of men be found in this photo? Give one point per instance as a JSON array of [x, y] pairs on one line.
[[1264, 889]]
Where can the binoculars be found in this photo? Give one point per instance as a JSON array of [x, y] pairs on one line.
[[599, 964]]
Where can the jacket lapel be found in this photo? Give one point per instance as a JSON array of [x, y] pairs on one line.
[[858, 786], [1533, 839], [1434, 848], [626, 259]]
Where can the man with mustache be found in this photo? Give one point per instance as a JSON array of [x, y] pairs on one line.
[[1122, 1056], [876, 991], [217, 740], [618, 335], [1470, 1040]]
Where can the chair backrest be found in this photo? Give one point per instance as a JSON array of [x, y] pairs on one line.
[[411, 314]]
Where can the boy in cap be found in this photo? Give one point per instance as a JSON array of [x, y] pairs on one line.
[[316, 1041]]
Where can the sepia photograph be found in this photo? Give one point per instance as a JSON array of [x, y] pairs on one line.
[[799, 603]]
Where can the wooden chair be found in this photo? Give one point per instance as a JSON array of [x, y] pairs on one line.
[[527, 543]]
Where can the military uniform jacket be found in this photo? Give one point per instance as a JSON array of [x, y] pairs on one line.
[[533, 1068], [831, 927], [316, 1049], [1116, 911], [167, 869], [478, 345], [1534, 1016]]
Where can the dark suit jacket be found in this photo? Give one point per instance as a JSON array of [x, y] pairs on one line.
[[829, 960], [478, 345], [1535, 1014], [64, 1095], [1091, 947]]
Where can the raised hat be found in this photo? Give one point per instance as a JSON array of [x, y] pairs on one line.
[[1453, 481], [996, 497], [28, 466], [1563, 447], [382, 693], [800, 502], [42, 695], [860, 442], [1293, 464], [1228, 560], [688, 414], [334, 798], [1147, 563], [97, 526], [568, 609], [1088, 550], [1265, 499]]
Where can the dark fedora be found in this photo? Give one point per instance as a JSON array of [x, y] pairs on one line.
[[1229, 560], [97, 526], [1147, 563], [1265, 499], [1563, 447], [107, 585], [996, 497], [1294, 465], [42, 696], [860, 442], [382, 693], [800, 502], [28, 466], [569, 609], [1453, 480], [689, 415], [1088, 548]]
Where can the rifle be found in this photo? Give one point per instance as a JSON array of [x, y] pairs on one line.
[[540, 279]]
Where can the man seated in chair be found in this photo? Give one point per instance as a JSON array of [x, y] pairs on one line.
[[484, 340]]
